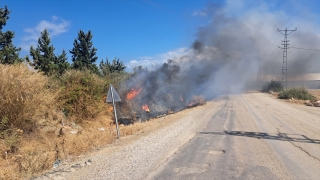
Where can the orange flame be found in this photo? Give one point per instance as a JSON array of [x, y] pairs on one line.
[[146, 108], [133, 93]]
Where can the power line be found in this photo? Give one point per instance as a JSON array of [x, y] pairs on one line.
[[306, 4], [303, 14], [306, 49]]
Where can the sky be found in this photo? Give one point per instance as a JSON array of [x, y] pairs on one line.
[[148, 32]]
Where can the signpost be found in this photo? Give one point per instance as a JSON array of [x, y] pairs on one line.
[[114, 97]]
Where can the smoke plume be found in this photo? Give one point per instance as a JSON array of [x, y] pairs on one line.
[[228, 52]]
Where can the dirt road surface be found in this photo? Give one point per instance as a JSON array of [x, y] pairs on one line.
[[240, 136]]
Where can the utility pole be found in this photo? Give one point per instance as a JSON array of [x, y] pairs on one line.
[[284, 80]]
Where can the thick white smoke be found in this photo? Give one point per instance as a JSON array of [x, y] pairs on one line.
[[227, 51]]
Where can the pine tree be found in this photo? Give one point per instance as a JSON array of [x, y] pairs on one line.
[[44, 59], [83, 53], [43, 56], [62, 63], [116, 66], [9, 54]]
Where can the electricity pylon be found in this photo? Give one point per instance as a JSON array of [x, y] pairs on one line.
[[284, 79]]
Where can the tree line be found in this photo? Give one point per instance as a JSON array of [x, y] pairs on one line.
[[43, 59]]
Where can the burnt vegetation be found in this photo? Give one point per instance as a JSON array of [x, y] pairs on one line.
[[164, 91]]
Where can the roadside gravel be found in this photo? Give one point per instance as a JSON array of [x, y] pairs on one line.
[[135, 157]]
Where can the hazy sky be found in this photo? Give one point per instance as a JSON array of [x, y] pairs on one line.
[[151, 31]]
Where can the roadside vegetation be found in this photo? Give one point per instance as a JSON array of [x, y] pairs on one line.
[[297, 93]]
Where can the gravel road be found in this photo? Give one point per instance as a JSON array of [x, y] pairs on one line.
[[244, 136]]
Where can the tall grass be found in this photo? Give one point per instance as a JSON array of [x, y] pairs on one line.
[[24, 97]]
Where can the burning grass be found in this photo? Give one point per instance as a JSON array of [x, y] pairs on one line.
[[196, 101], [133, 93]]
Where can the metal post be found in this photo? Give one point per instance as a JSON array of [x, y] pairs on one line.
[[115, 113]]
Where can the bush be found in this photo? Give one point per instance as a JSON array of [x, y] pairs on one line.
[[82, 94], [272, 86], [297, 93]]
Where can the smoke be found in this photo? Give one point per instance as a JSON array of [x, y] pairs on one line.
[[240, 38], [228, 52]]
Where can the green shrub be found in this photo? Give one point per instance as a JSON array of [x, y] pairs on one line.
[[272, 86], [82, 94], [297, 93]]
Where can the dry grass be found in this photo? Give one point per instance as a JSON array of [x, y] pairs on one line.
[[39, 151], [24, 98], [27, 105], [315, 93]]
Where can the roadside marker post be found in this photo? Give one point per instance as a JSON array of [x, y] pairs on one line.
[[114, 97]]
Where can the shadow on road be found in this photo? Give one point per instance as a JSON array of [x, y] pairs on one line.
[[260, 135]]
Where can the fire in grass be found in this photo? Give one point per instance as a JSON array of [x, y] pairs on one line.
[[151, 94]]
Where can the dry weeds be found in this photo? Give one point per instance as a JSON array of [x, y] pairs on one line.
[[24, 98]]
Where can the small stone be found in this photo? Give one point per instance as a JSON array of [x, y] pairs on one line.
[[76, 166], [73, 132], [308, 103], [316, 104]]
